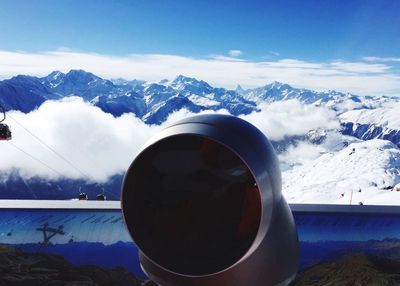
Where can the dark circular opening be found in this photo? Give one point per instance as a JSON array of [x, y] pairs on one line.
[[191, 205]]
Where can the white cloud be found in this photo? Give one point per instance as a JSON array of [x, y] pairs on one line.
[[381, 59], [356, 77], [355, 67], [304, 152], [235, 53], [301, 153], [93, 141], [227, 59], [101, 145], [184, 113], [291, 117]]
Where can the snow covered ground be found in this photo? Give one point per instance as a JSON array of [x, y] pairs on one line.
[[387, 116], [365, 171]]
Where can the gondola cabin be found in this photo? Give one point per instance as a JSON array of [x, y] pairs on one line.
[[83, 197], [101, 197], [5, 133]]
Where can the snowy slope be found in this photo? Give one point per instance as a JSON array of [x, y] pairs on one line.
[[24, 93], [365, 171], [78, 82], [277, 91], [382, 122], [387, 116]]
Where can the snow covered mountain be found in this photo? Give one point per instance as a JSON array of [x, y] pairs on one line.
[[152, 102], [24, 93], [382, 122], [366, 172], [277, 91], [340, 166], [78, 82]]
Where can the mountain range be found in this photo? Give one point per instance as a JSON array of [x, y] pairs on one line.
[[153, 102], [361, 117]]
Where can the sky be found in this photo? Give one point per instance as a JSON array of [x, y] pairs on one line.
[[306, 30], [344, 45]]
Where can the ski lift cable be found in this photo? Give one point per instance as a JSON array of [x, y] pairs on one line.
[[2, 110], [51, 149], [56, 153], [36, 159]]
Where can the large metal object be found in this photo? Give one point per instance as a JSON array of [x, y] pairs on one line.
[[203, 202]]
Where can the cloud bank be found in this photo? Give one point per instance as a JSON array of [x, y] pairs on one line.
[[100, 145], [369, 76], [93, 141], [291, 117]]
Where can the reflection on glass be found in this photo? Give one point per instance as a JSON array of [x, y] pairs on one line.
[[195, 205]]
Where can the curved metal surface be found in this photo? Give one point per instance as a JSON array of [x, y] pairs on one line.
[[273, 255]]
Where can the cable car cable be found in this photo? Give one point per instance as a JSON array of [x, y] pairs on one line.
[[51, 149], [57, 154], [36, 159], [2, 109]]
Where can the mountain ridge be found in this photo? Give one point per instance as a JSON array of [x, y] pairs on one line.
[[89, 86], [362, 117], [153, 102]]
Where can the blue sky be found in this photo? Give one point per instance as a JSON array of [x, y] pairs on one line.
[[309, 32]]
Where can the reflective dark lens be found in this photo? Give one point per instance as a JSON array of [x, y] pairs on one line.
[[192, 205]]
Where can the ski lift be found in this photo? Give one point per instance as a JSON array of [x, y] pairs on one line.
[[83, 197], [101, 197], [5, 133]]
